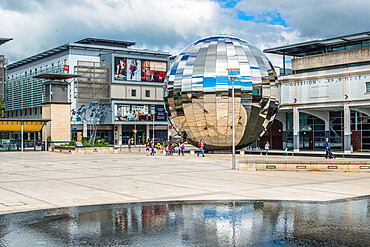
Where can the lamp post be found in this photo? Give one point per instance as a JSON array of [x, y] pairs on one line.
[[232, 75]]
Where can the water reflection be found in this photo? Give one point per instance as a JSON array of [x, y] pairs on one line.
[[256, 223]]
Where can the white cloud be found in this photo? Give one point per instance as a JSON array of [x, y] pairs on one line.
[[170, 25]]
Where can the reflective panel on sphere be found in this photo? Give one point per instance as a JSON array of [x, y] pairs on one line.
[[198, 92]]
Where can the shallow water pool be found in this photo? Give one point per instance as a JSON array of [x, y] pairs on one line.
[[219, 223]]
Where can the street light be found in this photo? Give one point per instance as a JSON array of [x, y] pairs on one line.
[[233, 73]]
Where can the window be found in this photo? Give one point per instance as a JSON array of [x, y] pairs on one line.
[[133, 92], [40, 110], [368, 87], [147, 93]]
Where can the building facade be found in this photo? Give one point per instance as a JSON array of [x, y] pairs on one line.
[[127, 80], [326, 95]]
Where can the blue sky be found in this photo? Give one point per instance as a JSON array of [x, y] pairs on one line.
[[170, 25]]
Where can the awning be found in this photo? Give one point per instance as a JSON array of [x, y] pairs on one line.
[[29, 125]]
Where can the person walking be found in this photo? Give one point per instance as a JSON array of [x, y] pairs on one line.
[[201, 147], [286, 152], [267, 147], [181, 148], [171, 150], [153, 148], [327, 148], [129, 145]]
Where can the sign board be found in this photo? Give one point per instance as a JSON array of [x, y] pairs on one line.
[[79, 144], [66, 67], [160, 113]]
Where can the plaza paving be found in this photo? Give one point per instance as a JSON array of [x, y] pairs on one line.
[[39, 180]]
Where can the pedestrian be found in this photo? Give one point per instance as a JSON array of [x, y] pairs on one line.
[[286, 152], [147, 148], [181, 148], [327, 148], [171, 150], [267, 147], [167, 150], [201, 147], [153, 148], [129, 145]]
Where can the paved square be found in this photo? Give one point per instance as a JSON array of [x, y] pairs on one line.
[[39, 180]]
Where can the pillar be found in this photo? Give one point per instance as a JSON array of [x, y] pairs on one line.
[[327, 125], [147, 132], [22, 137], [347, 128], [119, 128], [46, 136], [296, 129], [34, 141]]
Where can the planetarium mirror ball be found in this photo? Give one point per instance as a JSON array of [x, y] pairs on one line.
[[198, 92]]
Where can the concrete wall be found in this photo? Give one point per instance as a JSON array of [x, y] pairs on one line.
[[331, 59], [124, 92]]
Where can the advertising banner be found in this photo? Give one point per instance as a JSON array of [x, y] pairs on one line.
[[129, 69], [160, 113], [120, 68], [153, 71]]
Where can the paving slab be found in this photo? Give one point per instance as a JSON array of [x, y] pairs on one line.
[[40, 180]]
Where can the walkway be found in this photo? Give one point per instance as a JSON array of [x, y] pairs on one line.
[[39, 180]]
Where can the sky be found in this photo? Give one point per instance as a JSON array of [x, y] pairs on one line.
[[170, 25]]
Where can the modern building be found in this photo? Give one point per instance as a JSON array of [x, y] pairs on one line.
[[326, 95], [2, 71], [127, 80]]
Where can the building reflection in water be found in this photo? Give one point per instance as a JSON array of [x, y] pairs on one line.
[[175, 224]]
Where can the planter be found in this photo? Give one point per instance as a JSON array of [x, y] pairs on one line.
[[84, 150]]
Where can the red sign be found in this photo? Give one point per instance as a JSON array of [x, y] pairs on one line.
[[66, 67], [170, 126]]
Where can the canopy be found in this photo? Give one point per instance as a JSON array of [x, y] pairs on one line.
[[29, 125]]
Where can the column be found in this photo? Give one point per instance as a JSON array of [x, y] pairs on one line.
[[46, 136], [119, 128], [296, 129], [147, 131], [34, 141], [22, 137], [347, 128], [327, 125]]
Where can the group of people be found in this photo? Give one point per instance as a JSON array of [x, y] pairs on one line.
[[168, 150], [328, 153]]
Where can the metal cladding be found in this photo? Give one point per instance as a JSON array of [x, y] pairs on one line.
[[198, 92]]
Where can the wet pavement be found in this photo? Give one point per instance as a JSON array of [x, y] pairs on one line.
[[40, 180], [226, 223]]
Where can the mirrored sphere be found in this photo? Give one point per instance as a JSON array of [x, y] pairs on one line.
[[198, 92]]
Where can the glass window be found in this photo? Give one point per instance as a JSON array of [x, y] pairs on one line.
[[147, 93], [368, 87], [133, 92]]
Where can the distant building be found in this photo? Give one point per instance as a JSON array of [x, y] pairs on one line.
[[326, 95], [127, 80], [2, 71]]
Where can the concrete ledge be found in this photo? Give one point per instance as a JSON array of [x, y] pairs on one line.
[[83, 150], [304, 165]]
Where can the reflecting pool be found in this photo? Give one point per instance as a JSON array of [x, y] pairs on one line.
[[224, 223]]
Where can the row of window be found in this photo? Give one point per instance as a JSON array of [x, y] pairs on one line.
[[133, 93], [24, 112], [35, 70]]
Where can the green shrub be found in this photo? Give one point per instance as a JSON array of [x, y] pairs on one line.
[[72, 143]]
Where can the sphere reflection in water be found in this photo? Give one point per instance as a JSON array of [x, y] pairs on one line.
[[198, 92], [229, 223]]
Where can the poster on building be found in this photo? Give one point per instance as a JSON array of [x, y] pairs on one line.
[[160, 113], [154, 71], [134, 69], [120, 68]]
